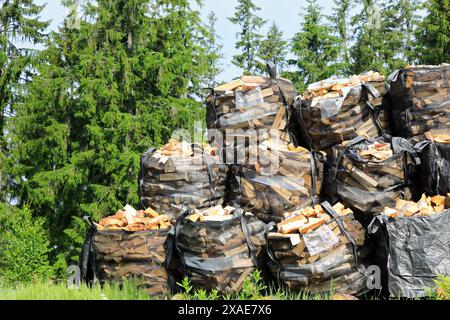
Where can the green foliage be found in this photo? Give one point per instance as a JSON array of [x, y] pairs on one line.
[[442, 289], [315, 48], [248, 38], [433, 33], [24, 252], [272, 49], [213, 52], [104, 93], [339, 21], [252, 288]]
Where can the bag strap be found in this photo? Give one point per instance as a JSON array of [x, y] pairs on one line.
[[298, 109], [368, 89], [251, 246], [329, 209], [270, 254]]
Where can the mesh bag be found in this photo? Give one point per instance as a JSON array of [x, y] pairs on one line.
[[420, 100], [283, 179], [367, 179], [321, 260], [115, 255], [189, 175], [220, 254], [337, 110]]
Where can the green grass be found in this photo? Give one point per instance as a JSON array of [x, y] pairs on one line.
[[49, 291]]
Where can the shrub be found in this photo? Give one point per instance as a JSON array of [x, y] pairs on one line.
[[24, 248]]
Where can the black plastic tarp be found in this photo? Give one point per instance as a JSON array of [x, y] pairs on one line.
[[416, 250]]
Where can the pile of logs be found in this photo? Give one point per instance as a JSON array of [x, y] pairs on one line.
[[370, 174], [248, 109], [220, 253], [337, 110], [131, 220], [315, 249], [284, 178], [181, 173], [421, 100], [140, 255], [425, 207]]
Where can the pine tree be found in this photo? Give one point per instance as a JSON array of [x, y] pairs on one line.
[[366, 52], [340, 24], [433, 34], [19, 22], [213, 51], [248, 37], [105, 92], [19, 25], [315, 49], [273, 49]]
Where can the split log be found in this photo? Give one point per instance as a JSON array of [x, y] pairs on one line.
[[216, 253], [315, 247], [337, 110], [181, 173], [421, 100]]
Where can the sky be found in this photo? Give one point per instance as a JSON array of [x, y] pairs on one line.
[[285, 13]]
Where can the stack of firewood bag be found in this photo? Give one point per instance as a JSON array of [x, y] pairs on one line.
[[219, 247], [246, 110], [130, 244], [316, 249], [412, 246], [283, 178], [180, 173], [336, 110], [434, 171], [370, 174], [420, 98]]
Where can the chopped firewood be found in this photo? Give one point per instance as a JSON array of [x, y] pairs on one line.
[[426, 206], [133, 255], [280, 180], [320, 249], [181, 173], [132, 220], [369, 174], [218, 257], [422, 92], [334, 111]]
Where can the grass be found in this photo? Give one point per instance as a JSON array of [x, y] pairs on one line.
[[253, 289], [49, 291]]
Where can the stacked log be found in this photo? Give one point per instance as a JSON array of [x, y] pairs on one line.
[[284, 178], [130, 245], [421, 100], [315, 249], [219, 247], [180, 173], [337, 110], [425, 207], [247, 110], [370, 174]]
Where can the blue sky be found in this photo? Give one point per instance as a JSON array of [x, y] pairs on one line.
[[285, 13]]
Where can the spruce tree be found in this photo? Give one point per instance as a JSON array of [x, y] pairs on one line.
[[340, 24], [368, 39], [433, 33], [213, 51], [272, 49], [20, 26], [248, 38], [315, 48], [19, 23], [105, 92]]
